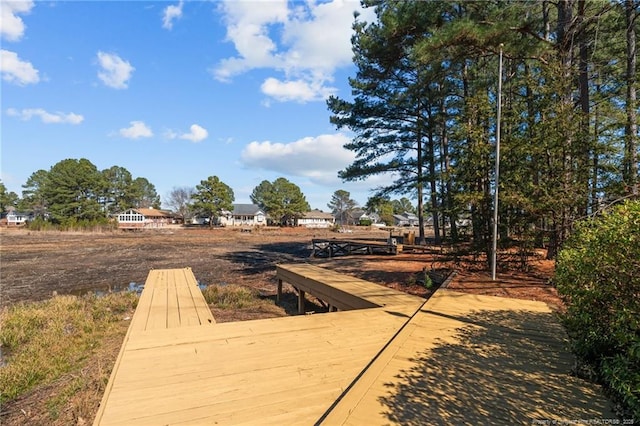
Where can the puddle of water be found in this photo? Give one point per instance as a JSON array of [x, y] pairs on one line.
[[133, 287]]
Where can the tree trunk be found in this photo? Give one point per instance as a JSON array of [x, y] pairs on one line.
[[585, 132], [434, 188], [420, 180], [631, 130], [447, 196], [565, 47]]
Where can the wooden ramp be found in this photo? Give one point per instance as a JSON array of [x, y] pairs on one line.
[[456, 359]]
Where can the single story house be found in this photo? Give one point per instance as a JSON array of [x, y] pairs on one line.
[[317, 219], [16, 218], [243, 215], [143, 218], [405, 219], [365, 217]]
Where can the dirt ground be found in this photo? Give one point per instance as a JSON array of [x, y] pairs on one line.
[[35, 265]]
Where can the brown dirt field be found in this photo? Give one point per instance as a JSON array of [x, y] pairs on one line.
[[34, 265]]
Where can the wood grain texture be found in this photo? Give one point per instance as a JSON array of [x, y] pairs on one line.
[[458, 358]]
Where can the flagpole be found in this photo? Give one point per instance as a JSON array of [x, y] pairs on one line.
[[495, 194]]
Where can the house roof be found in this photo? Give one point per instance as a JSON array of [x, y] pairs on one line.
[[151, 212], [246, 209], [357, 213], [405, 216], [317, 214]]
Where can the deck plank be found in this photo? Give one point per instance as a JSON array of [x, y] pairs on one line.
[[469, 359], [457, 358], [238, 371]]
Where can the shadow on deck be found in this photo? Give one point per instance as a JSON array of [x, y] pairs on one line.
[[456, 359], [510, 367]]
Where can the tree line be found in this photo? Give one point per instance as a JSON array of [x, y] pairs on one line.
[[74, 190], [424, 111]]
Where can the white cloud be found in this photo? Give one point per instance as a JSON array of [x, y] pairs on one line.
[[11, 25], [171, 13], [46, 117], [295, 90], [137, 130], [115, 72], [306, 42], [196, 134], [317, 158], [15, 70]]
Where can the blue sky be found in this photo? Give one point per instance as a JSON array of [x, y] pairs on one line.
[[179, 91]]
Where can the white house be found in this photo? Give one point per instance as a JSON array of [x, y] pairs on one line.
[[317, 219], [373, 217], [142, 218], [243, 215], [16, 218]]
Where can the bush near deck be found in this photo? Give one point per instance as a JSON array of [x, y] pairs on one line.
[[598, 275]]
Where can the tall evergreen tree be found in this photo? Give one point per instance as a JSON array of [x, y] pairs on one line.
[[72, 189], [342, 206], [33, 197], [118, 193], [144, 194], [7, 198], [211, 197], [281, 199]]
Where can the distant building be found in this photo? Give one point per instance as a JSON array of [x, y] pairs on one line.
[[243, 215], [317, 219], [143, 219], [405, 219], [374, 218], [16, 218]]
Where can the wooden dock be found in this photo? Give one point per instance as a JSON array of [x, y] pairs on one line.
[[458, 358]]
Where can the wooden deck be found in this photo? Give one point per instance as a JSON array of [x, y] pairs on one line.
[[340, 291], [458, 358], [332, 247]]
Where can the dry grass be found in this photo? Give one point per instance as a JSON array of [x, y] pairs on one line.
[[239, 303], [61, 343], [58, 354]]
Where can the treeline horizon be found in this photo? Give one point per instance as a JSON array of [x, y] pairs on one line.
[[75, 191]]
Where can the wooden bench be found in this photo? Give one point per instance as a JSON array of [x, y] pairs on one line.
[[338, 291], [336, 247]]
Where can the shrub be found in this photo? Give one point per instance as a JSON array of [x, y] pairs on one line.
[[72, 224], [598, 276]]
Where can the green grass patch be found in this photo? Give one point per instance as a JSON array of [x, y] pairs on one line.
[[41, 341], [233, 297]]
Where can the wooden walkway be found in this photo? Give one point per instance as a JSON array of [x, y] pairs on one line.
[[458, 358]]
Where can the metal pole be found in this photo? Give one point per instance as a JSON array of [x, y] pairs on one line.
[[495, 195]]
